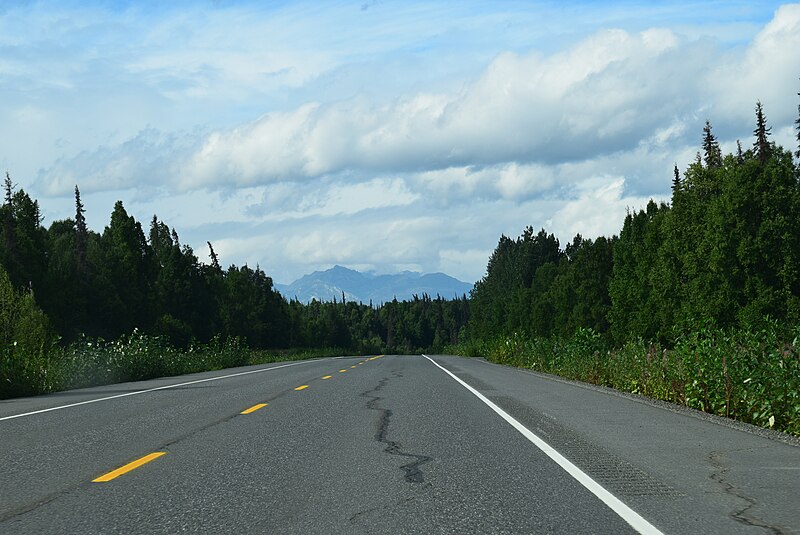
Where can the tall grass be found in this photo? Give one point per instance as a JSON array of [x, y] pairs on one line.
[[131, 358], [752, 375]]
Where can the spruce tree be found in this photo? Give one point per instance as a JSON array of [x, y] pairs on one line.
[[81, 233], [713, 154], [676, 180], [739, 152], [762, 133], [9, 189], [9, 241], [214, 258], [797, 126]]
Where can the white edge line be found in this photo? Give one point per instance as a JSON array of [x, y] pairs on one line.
[[154, 389], [615, 504]]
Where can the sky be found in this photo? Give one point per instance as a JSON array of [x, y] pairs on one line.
[[379, 135]]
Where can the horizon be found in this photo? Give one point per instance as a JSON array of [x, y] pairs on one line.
[[378, 136]]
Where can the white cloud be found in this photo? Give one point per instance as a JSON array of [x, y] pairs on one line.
[[598, 211]]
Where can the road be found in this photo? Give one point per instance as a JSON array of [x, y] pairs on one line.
[[395, 444]]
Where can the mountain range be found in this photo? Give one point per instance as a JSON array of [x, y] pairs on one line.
[[365, 287]]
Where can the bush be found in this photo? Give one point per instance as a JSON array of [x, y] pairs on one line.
[[748, 374], [26, 341]]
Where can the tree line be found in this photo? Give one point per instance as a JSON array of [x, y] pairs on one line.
[[724, 252], [696, 301], [106, 285]]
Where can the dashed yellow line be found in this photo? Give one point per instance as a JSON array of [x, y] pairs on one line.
[[301, 387], [327, 377], [352, 366], [128, 467], [254, 408], [342, 371]]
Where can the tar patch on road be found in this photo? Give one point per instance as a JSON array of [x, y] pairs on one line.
[[412, 470]]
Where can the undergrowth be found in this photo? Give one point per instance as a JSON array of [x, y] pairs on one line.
[[751, 375]]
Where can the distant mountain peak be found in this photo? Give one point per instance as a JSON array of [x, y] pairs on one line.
[[339, 280]]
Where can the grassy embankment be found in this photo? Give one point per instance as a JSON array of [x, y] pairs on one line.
[[751, 376], [132, 358]]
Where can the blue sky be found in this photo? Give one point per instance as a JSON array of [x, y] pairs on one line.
[[375, 134]]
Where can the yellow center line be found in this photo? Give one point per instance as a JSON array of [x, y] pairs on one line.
[[342, 371], [128, 467], [301, 387], [352, 366], [254, 408], [327, 377]]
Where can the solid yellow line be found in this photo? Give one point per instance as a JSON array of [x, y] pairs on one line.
[[327, 377], [128, 467], [301, 387], [254, 408]]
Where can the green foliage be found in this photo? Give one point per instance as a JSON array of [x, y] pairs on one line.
[[624, 311], [138, 356], [26, 341], [745, 374]]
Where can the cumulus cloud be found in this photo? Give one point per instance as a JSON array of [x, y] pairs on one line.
[[600, 208], [523, 109], [147, 161], [766, 70], [525, 112]]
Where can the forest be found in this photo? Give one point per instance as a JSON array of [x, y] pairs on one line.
[[695, 302], [76, 302]]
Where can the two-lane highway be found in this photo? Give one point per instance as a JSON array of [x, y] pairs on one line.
[[385, 444]]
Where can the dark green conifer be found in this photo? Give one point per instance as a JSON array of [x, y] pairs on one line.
[[81, 232], [713, 154], [762, 133], [676, 180], [797, 126], [214, 258]]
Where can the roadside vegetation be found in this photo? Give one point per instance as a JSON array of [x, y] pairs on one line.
[[696, 302]]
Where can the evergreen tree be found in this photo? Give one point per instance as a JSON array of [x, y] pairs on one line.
[[713, 154], [797, 127], [739, 152], [125, 271], [214, 258], [81, 233], [9, 258], [762, 133], [676, 181]]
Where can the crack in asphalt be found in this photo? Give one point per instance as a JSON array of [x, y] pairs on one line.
[[742, 515], [413, 473], [402, 501]]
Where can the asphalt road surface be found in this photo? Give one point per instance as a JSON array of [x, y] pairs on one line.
[[395, 444]]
